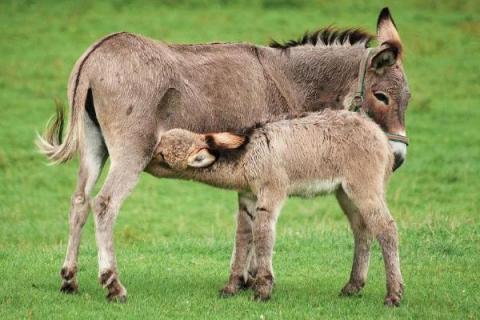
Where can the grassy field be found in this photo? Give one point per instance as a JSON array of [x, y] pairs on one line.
[[174, 238]]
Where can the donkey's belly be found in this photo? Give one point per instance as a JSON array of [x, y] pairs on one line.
[[307, 189]]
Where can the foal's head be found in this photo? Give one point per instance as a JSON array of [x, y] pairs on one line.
[[180, 148]]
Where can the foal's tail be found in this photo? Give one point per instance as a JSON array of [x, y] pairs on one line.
[[51, 143]]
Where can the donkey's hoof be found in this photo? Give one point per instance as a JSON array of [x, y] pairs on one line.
[[69, 283], [69, 287], [351, 289], [116, 292]]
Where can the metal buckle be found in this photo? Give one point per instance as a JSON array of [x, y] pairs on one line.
[[357, 102]]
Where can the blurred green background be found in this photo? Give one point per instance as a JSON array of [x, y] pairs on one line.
[[174, 238]]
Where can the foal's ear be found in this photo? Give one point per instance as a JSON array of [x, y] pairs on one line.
[[201, 159], [224, 140]]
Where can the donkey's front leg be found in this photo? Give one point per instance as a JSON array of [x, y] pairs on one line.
[[120, 181], [268, 208], [240, 275]]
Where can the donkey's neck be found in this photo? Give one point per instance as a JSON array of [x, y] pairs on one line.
[[319, 77]]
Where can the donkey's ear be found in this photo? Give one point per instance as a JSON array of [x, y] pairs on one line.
[[224, 140], [386, 28], [386, 56]]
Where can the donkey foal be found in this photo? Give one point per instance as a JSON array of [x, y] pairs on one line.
[[337, 152]]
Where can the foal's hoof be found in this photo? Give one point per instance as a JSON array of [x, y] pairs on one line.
[[234, 285], [117, 298], [394, 296], [263, 288], [69, 287], [392, 301], [351, 289], [261, 297], [227, 292]]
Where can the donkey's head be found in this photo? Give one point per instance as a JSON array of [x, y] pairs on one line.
[[180, 148], [386, 90]]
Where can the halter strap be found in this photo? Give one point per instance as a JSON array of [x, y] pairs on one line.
[[397, 138], [358, 98]]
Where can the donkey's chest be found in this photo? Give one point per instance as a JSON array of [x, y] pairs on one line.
[[312, 188]]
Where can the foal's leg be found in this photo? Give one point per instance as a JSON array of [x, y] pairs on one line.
[[268, 208], [362, 240], [240, 276], [380, 223], [92, 158]]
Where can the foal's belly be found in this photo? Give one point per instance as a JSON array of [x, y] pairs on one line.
[[312, 188]]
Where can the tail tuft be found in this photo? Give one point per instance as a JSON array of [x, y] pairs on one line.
[[50, 144]]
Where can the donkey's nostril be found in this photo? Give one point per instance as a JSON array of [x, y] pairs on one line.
[[399, 152], [399, 159]]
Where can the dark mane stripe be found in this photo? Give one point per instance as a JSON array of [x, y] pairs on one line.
[[327, 37]]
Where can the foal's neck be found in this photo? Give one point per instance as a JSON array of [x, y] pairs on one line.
[[226, 173]]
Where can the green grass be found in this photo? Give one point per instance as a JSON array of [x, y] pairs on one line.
[[174, 238]]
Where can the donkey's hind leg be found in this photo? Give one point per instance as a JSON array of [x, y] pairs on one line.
[[374, 212], [362, 240], [93, 154], [127, 162]]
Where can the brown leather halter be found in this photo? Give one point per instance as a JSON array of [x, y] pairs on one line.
[[359, 97]]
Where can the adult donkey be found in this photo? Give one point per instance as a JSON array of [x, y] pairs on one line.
[[125, 90]]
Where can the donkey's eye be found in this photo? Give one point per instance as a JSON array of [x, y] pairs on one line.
[[382, 97]]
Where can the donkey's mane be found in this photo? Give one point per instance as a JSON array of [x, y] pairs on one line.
[[328, 36]]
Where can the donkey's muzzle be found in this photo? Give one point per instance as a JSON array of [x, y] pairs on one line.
[[399, 152]]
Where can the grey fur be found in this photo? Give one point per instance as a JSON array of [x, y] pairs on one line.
[[142, 88]]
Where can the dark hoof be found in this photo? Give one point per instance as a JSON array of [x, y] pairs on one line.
[[394, 297], [226, 293], [116, 292], [263, 288], [70, 287], [392, 301], [351, 289], [261, 298], [117, 298], [69, 284], [236, 284]]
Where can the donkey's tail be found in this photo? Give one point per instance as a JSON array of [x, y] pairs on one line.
[[51, 143]]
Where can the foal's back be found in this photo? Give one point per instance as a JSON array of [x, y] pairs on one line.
[[320, 151]]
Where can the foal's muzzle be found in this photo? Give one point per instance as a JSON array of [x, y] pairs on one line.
[[400, 153]]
